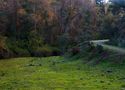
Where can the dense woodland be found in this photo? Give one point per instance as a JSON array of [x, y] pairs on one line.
[[55, 27]]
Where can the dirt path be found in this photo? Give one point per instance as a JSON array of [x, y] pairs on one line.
[[110, 47]]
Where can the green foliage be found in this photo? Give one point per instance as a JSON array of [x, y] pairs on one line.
[[34, 40], [43, 51], [17, 48]]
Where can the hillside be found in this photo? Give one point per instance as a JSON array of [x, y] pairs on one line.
[[58, 73]]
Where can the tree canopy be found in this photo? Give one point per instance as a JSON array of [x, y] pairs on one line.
[[52, 27]]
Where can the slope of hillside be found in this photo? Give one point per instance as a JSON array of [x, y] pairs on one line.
[[57, 73]]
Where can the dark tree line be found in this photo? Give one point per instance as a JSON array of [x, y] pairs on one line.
[[53, 27]]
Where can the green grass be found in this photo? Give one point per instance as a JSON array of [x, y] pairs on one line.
[[57, 73]]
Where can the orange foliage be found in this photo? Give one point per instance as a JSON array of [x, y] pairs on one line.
[[21, 11], [2, 42], [37, 18]]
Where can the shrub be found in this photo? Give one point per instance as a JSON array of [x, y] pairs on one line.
[[46, 51], [42, 51], [74, 51], [64, 42], [34, 41], [17, 48], [17, 51], [99, 48], [4, 52], [55, 51], [21, 52]]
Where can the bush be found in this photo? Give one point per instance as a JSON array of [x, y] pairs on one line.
[[21, 52], [42, 51], [46, 51], [17, 48], [55, 51], [99, 48], [17, 51], [4, 52], [73, 51], [64, 42]]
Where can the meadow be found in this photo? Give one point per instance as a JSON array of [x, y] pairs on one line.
[[59, 73]]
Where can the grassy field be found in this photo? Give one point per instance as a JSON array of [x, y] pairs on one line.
[[57, 73]]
